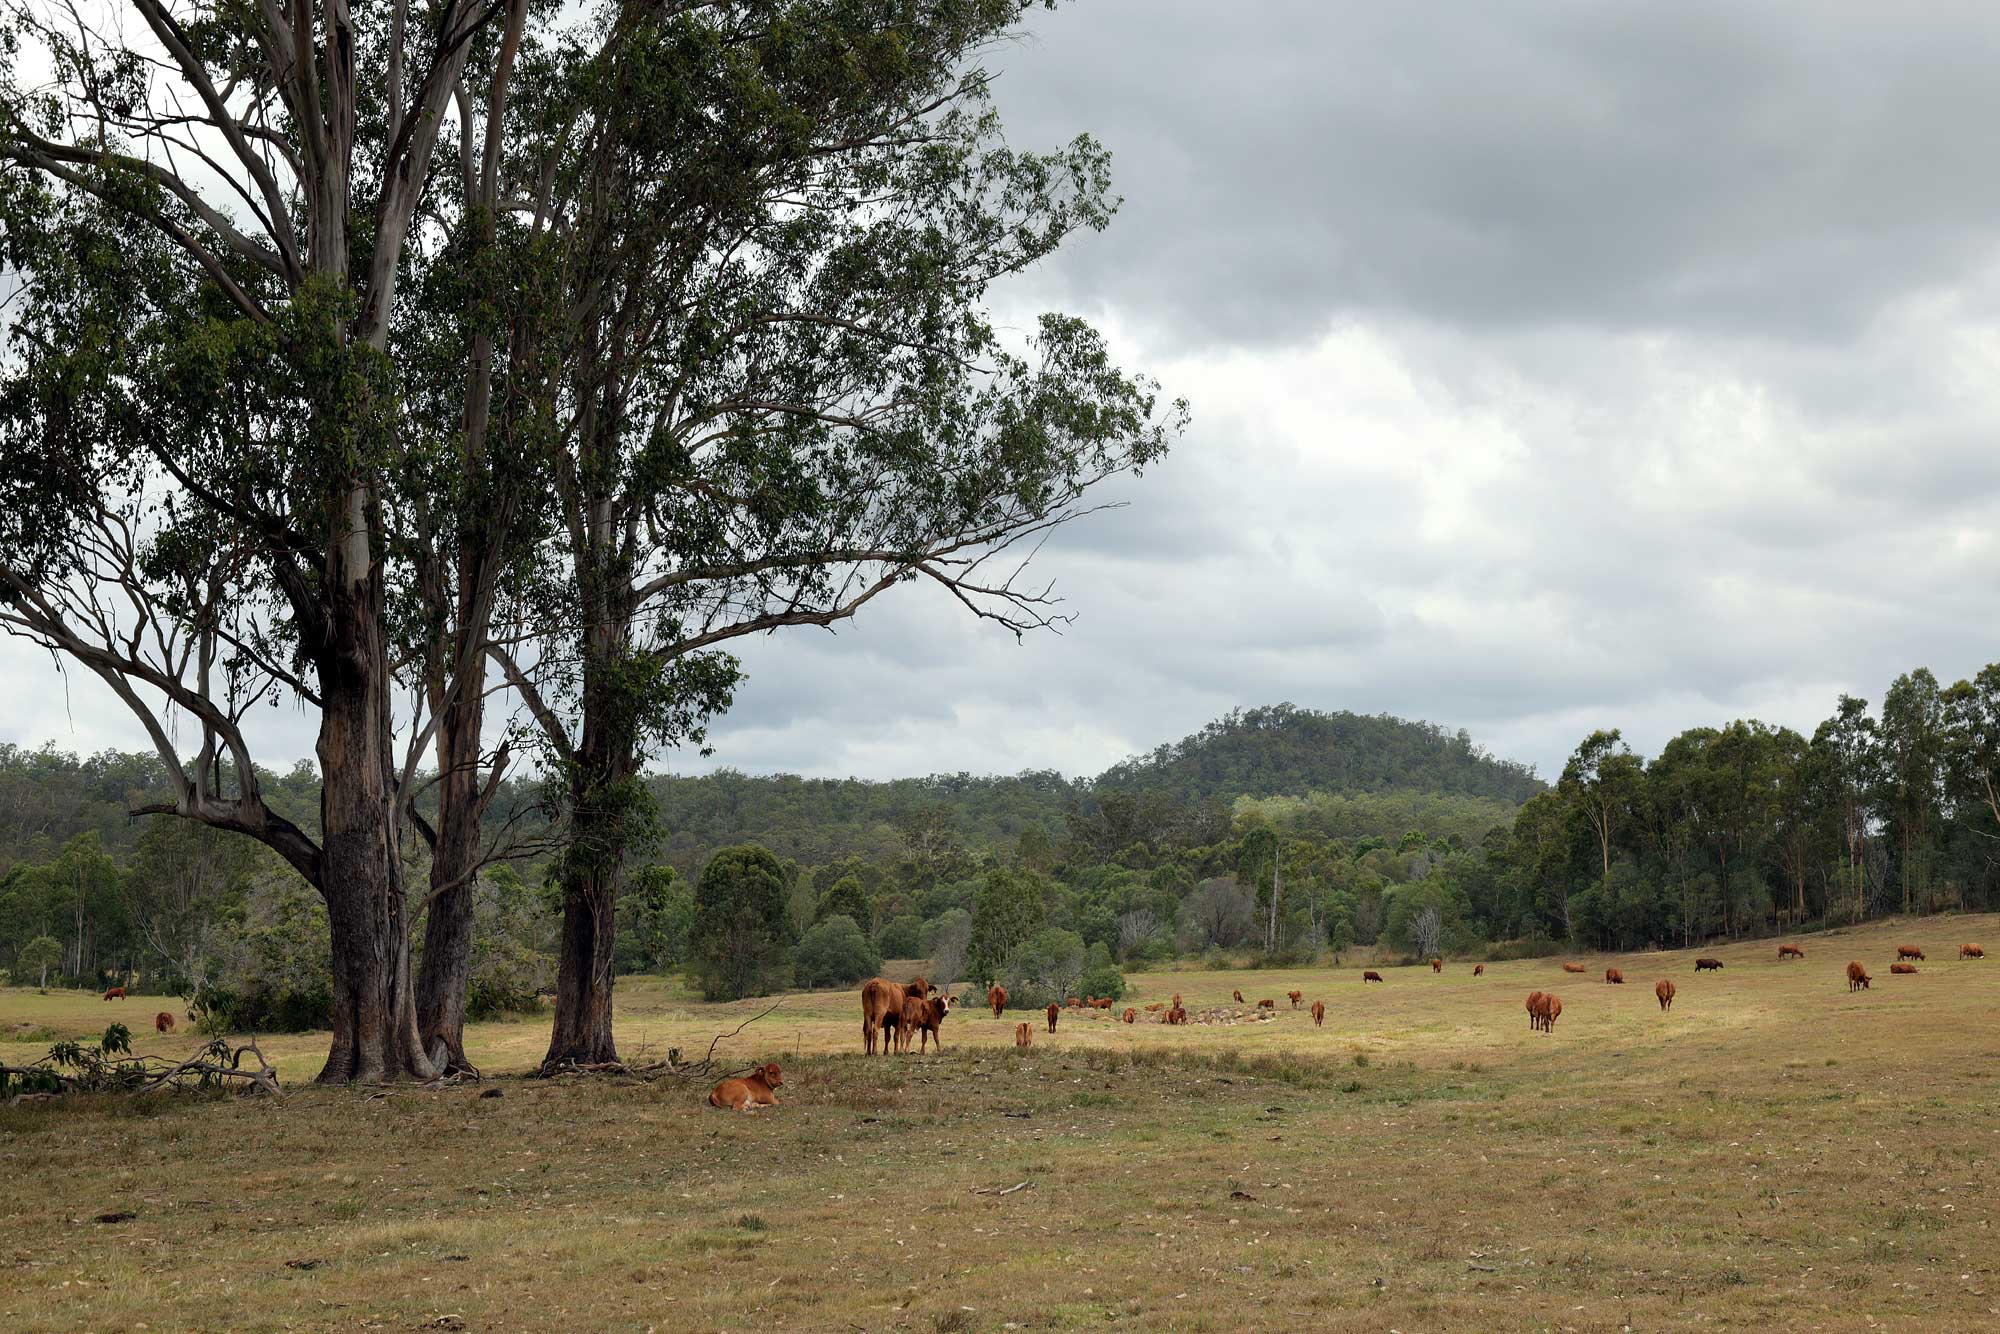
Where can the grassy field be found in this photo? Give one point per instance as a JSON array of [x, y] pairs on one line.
[[1774, 1151]]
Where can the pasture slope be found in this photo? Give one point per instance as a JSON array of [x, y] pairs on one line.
[[1774, 1152]]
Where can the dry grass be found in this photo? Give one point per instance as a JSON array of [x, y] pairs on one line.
[[1775, 1151]]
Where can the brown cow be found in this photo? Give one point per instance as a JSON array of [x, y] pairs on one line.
[[1665, 991], [1101, 1003], [1371, 975], [1706, 965], [923, 1017], [1319, 1013], [881, 1011], [116, 993], [1177, 1000], [1073, 1003], [1155, 1007], [163, 1022], [1613, 975], [1971, 952], [1908, 952], [1790, 952], [1295, 997], [1479, 970], [1131, 1015], [1024, 1036], [753, 1090], [1857, 977], [917, 987], [1552, 1008], [997, 998], [1238, 995], [1902, 968], [1054, 1010], [1574, 968], [1437, 965], [1267, 1004], [1534, 1009]]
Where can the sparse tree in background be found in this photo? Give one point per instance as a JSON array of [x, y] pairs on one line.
[[38, 956], [736, 943], [1135, 929], [945, 942], [184, 881], [1046, 967], [1222, 912], [1427, 932]]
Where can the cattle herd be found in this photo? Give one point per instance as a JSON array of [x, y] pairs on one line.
[[893, 1014]]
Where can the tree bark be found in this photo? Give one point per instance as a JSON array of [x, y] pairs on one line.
[[374, 1017], [447, 965]]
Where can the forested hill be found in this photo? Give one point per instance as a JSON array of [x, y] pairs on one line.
[[1284, 750]]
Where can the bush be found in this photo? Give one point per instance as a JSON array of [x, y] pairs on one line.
[[833, 954], [275, 975], [1528, 947], [1101, 976], [902, 938], [510, 967]]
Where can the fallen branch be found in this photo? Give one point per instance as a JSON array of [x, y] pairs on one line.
[[997, 1192], [69, 1069], [705, 1066]]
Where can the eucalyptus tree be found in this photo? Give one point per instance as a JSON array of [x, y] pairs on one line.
[[203, 436], [1912, 773], [775, 390], [1601, 782]]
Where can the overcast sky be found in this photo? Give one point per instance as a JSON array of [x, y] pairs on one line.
[[1554, 366]]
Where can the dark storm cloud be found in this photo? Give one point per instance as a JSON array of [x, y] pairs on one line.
[[1783, 168]]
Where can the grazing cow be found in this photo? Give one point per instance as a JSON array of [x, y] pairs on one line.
[[1437, 965], [1156, 1006], [1177, 1015], [1024, 1036], [1054, 1010], [753, 1090], [1371, 975], [163, 1022], [116, 993], [1295, 997], [1971, 952], [1902, 968], [881, 1011], [1319, 1013], [1613, 975], [1574, 968], [1790, 952], [1552, 1008], [1857, 977], [1238, 995], [1908, 952], [1131, 1015], [997, 998], [1101, 1003], [1704, 965], [1665, 991], [1479, 970], [1267, 1004], [1073, 1003], [1534, 1009]]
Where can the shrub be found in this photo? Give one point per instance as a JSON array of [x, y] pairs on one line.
[[834, 953], [1528, 947], [901, 938], [1101, 976]]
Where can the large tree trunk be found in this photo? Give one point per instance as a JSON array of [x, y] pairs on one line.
[[374, 1017], [447, 965], [602, 797]]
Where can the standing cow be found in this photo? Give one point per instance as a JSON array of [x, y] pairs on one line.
[[1319, 1014], [1054, 1010], [1909, 952], [1665, 991], [1614, 976], [1024, 1035], [1790, 952], [881, 1013], [1857, 976], [996, 996]]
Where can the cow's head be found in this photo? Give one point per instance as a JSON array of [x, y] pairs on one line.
[[771, 1076]]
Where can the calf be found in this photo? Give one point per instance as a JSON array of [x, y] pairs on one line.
[[881, 1013], [1535, 1009], [116, 993], [1295, 997], [1177, 1000], [1267, 1004], [1319, 1013], [1574, 968], [1156, 1006], [1613, 975], [924, 1017], [753, 1090], [1902, 968], [1908, 952], [1705, 965], [1437, 965], [163, 1022], [1971, 952], [1370, 975], [1177, 1015], [1024, 1036], [1479, 970], [1238, 995], [1054, 1010], [1790, 952], [1131, 1015], [1665, 991], [1857, 977], [997, 998]]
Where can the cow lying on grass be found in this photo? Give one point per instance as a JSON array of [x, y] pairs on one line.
[[751, 1091]]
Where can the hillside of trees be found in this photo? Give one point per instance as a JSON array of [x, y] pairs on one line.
[[1044, 881]]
